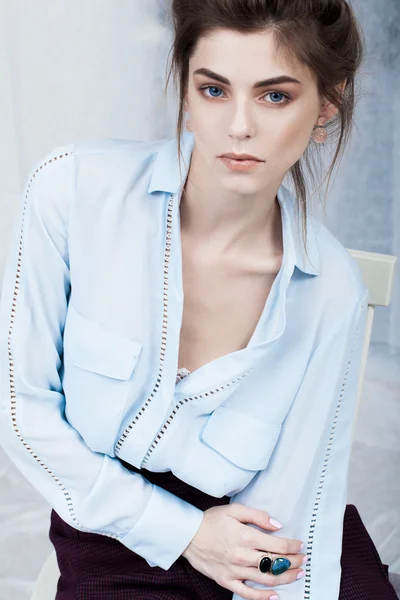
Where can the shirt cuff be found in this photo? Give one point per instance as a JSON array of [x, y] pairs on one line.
[[165, 529]]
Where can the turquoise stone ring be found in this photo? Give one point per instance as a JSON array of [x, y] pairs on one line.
[[276, 566]]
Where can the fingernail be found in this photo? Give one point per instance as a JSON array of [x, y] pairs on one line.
[[274, 597], [301, 547], [305, 559], [275, 523], [300, 575]]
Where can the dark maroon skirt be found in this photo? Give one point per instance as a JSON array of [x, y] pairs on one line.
[[96, 567]]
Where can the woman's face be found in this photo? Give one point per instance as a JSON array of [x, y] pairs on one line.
[[272, 121]]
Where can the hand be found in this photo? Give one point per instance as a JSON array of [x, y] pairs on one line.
[[228, 551]]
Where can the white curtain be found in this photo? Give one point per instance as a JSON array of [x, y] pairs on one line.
[[73, 70]]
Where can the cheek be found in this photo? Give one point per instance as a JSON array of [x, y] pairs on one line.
[[206, 121], [207, 129], [291, 140]]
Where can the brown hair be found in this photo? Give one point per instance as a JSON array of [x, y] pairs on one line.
[[322, 34]]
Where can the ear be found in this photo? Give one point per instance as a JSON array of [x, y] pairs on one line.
[[329, 110]]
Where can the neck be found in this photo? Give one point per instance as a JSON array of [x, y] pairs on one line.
[[228, 222]]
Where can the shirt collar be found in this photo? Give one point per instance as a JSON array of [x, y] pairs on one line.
[[167, 178]]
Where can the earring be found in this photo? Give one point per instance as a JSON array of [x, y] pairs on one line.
[[188, 125], [319, 133]]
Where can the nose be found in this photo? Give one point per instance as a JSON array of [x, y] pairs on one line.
[[242, 124]]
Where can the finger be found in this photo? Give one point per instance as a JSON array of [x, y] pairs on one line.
[[245, 591], [254, 516], [296, 560], [251, 558], [277, 545], [268, 579]]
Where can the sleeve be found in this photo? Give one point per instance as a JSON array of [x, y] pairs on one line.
[[92, 492], [305, 484]]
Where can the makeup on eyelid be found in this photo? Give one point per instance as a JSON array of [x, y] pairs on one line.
[[286, 97]]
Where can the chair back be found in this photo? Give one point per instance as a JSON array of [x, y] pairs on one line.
[[377, 271]]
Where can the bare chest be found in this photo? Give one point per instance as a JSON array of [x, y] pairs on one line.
[[222, 306]]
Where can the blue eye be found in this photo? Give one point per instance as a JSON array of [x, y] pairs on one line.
[[212, 87], [277, 94]]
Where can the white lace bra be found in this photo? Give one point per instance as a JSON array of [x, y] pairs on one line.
[[182, 372]]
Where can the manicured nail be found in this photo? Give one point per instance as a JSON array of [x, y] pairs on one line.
[[275, 523], [301, 547], [274, 597], [301, 574], [305, 559]]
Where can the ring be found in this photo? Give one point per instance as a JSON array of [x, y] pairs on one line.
[[275, 566]]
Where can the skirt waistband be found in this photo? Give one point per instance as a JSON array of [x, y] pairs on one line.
[[168, 481]]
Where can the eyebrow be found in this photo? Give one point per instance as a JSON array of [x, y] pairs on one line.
[[258, 84]]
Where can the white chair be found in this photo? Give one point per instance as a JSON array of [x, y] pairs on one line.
[[46, 583], [378, 275], [377, 271]]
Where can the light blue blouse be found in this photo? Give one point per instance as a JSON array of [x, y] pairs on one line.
[[90, 318]]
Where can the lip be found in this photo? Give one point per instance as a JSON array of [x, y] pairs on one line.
[[242, 165], [240, 156]]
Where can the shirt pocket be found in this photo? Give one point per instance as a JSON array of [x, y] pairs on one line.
[[99, 365], [232, 446]]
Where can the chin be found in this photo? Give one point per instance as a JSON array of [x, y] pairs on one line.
[[243, 188]]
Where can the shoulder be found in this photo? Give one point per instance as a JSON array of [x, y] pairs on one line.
[[51, 165], [339, 270], [93, 164], [49, 186], [340, 290], [121, 147], [117, 152], [115, 164], [102, 158]]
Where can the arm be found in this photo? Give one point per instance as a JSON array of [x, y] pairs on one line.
[[91, 491], [308, 494]]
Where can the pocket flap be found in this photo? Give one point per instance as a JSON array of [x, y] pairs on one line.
[[96, 348], [244, 440]]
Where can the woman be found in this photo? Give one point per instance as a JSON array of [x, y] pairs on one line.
[[178, 365]]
